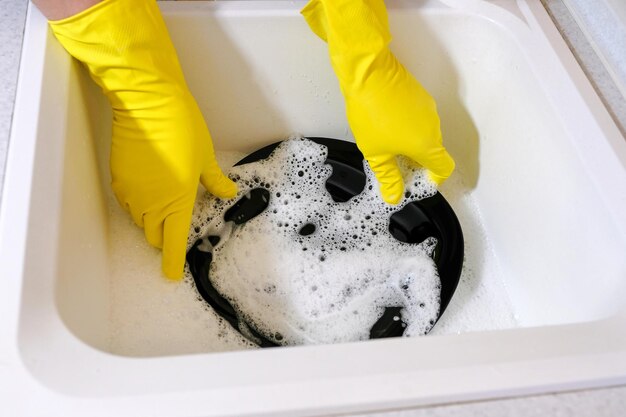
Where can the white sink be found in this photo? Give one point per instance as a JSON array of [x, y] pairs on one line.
[[540, 189]]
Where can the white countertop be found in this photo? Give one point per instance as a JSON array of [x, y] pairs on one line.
[[598, 403]]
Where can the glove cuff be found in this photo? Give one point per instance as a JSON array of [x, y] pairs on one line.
[[127, 49], [358, 37]]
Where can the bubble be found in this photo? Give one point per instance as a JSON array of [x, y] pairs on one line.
[[307, 229]]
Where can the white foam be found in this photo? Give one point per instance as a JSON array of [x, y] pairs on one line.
[[331, 285], [150, 316]]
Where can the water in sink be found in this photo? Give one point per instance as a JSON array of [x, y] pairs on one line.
[[151, 316]]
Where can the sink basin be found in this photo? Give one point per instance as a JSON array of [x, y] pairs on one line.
[[540, 191]]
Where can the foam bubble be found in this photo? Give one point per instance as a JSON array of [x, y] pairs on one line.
[[309, 269]]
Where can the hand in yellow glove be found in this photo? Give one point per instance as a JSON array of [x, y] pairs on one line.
[[161, 146], [389, 112]]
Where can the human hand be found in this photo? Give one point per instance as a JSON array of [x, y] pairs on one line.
[[161, 146], [389, 112]]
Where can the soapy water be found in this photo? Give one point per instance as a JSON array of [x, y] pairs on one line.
[[309, 270], [151, 316]]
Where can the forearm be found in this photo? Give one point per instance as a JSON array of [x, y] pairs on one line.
[[61, 9]]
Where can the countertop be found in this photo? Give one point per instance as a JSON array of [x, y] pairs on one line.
[[609, 402]]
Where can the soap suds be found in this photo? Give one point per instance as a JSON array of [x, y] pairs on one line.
[[310, 270], [151, 316]]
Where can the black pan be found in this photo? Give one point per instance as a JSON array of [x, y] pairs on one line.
[[418, 220]]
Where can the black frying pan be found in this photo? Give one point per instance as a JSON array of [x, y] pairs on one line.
[[418, 220]]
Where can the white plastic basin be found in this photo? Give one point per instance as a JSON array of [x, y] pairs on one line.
[[540, 189]]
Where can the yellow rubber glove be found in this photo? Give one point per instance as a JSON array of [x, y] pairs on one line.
[[161, 146], [389, 112]]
